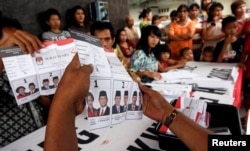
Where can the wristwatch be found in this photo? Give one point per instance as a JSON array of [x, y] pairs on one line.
[[171, 118]]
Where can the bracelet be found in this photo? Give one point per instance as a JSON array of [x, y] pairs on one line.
[[170, 118]]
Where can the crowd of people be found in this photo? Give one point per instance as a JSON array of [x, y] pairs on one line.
[[195, 33]]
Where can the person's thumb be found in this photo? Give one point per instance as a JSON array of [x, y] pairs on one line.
[[75, 62], [87, 69]]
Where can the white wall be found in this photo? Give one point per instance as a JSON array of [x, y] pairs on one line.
[[167, 5]]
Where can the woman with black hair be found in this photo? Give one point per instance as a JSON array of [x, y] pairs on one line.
[[143, 61], [125, 46], [76, 18], [181, 32], [146, 16]]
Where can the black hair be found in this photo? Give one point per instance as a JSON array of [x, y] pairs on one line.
[[144, 13], [235, 5], [183, 50], [154, 18], [194, 5], [44, 17], [56, 77], [162, 49], [143, 42], [31, 84], [8, 22], [91, 95], [70, 17], [99, 25], [173, 13], [102, 93], [205, 7], [117, 35], [181, 7], [45, 80], [227, 20], [17, 89], [209, 49], [211, 9]]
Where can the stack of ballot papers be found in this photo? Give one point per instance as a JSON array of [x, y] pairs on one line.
[[213, 82], [194, 109]]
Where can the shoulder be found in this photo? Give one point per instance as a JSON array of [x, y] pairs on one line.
[[47, 33], [65, 32]]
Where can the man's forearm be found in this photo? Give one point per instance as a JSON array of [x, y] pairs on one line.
[[60, 131], [192, 130]]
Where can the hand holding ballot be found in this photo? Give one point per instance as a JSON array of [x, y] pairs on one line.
[[154, 105], [67, 103], [76, 89], [26, 41], [157, 108]]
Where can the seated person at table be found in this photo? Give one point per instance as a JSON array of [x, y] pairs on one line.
[[143, 61], [186, 54], [125, 46], [105, 32], [50, 21], [165, 61], [208, 54], [63, 112], [229, 49], [22, 115]]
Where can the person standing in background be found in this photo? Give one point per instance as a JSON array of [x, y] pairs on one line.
[[146, 16], [212, 32], [131, 31], [197, 38], [238, 8], [181, 32]]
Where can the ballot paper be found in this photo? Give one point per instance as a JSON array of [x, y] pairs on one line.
[[109, 78], [50, 63], [40, 73], [194, 109], [172, 91], [203, 74], [214, 98], [21, 74]]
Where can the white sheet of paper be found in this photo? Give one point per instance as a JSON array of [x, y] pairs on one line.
[[223, 99], [248, 123], [117, 69], [18, 67]]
